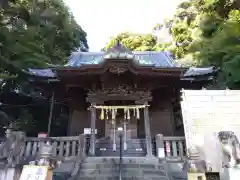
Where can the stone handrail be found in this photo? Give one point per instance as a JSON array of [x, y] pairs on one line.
[[174, 147], [64, 148], [2, 147]]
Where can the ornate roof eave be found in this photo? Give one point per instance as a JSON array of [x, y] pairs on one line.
[[119, 59], [200, 74], [118, 67]]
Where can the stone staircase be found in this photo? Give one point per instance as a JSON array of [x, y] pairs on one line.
[[135, 148], [134, 168]]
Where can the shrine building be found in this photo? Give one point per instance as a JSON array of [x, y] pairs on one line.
[[136, 91]]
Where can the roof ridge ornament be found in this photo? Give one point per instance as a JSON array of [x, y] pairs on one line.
[[118, 51]]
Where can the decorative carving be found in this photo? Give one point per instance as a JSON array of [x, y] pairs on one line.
[[119, 93], [118, 51], [230, 148], [117, 70]]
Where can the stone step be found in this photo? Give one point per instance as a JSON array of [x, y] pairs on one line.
[[112, 171], [139, 160], [126, 154], [61, 176], [123, 178], [129, 144], [140, 148], [128, 140], [118, 144], [124, 166], [136, 148], [139, 168], [65, 167]]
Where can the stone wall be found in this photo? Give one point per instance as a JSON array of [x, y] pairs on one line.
[[208, 111]]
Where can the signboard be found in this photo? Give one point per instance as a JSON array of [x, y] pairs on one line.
[[196, 176], [161, 153], [32, 172], [88, 131], [42, 135], [168, 147]]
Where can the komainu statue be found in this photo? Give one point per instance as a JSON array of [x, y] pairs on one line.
[[230, 148]]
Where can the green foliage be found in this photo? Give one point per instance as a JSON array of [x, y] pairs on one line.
[[204, 32], [207, 32], [34, 34], [223, 49], [134, 42]]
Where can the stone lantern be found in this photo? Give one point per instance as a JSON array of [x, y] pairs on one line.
[[45, 155]]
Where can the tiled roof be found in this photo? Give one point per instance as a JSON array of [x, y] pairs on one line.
[[156, 59], [190, 73], [42, 72], [147, 58], [193, 71]]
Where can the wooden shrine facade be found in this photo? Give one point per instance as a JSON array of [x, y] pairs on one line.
[[137, 91]]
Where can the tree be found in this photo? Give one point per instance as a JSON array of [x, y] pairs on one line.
[[34, 34], [134, 41], [206, 32], [37, 33], [223, 48]]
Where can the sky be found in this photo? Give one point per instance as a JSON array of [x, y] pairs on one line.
[[102, 19]]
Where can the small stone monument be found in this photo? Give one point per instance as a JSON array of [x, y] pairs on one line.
[[195, 166]]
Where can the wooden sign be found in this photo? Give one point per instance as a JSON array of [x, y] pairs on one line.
[[213, 176], [42, 135], [32, 172], [196, 176]]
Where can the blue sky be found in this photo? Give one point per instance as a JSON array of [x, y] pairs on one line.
[[104, 18]]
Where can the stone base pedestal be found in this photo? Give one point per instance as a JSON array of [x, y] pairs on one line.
[[196, 176], [233, 173], [10, 174]]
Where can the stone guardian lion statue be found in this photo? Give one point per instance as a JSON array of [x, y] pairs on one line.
[[230, 148]]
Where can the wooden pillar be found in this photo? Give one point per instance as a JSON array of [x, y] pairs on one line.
[[147, 130], [93, 127], [50, 114]]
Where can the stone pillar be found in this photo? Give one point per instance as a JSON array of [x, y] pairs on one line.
[[160, 146], [147, 130], [93, 127]]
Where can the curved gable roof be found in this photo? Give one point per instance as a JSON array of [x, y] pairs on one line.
[[156, 59]]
